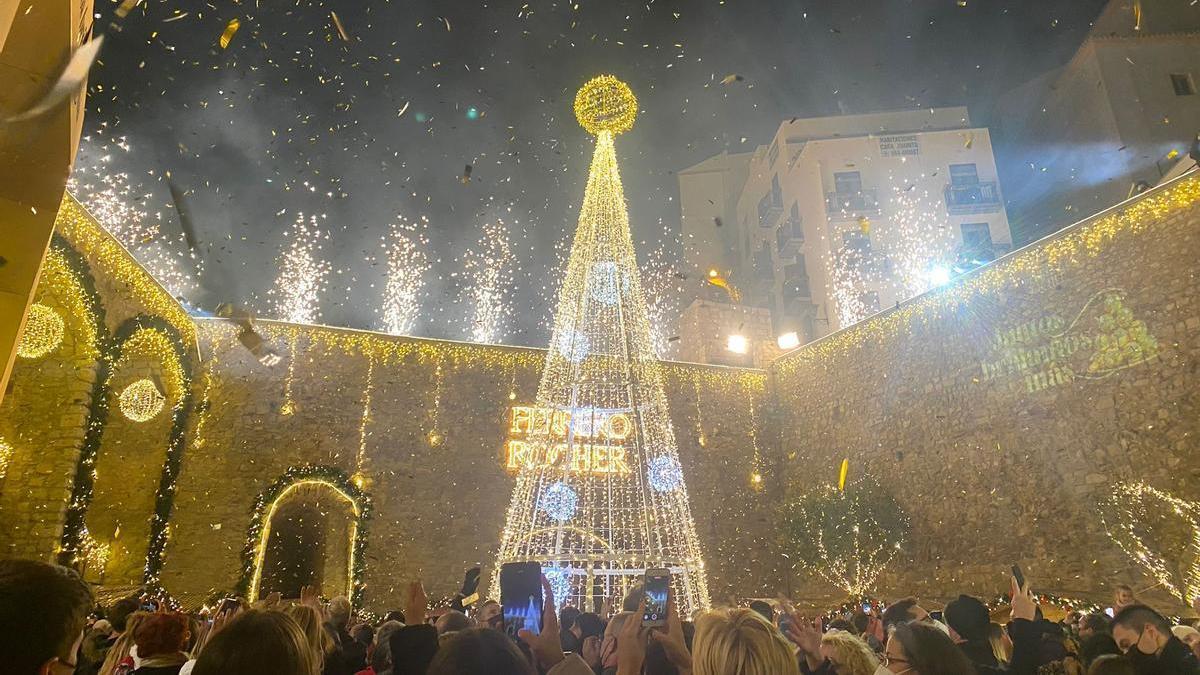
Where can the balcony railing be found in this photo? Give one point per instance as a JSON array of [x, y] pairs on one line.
[[788, 238], [851, 205], [966, 200]]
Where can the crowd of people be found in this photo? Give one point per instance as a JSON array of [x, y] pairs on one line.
[[50, 625]]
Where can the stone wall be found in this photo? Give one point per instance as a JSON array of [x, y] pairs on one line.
[[60, 416], [999, 410], [428, 452]]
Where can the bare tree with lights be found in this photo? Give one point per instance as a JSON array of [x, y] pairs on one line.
[[601, 496], [845, 535], [1159, 531]]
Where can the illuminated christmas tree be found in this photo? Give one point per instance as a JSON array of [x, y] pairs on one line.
[[599, 493]]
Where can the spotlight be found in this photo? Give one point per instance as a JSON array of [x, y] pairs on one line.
[[938, 275], [788, 340], [737, 344]]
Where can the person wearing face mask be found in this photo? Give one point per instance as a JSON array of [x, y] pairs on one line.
[[1145, 638]]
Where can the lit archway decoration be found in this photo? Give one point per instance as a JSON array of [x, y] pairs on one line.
[[44, 330], [141, 401], [330, 478]]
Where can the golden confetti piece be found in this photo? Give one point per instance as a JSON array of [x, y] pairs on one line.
[[962, 3], [447, 21], [337, 23], [178, 15], [1137, 14], [730, 79], [1172, 154], [466, 175], [970, 140], [845, 469], [402, 109], [125, 8], [231, 28]]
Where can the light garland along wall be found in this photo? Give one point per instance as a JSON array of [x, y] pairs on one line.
[[44, 417], [1001, 409], [148, 398], [56, 433], [419, 427]]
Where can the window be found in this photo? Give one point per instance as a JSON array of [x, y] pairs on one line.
[[1183, 84], [964, 174], [847, 182], [977, 240], [776, 192]]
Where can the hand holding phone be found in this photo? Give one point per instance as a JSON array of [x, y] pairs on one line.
[[1016, 572], [521, 597], [657, 584]]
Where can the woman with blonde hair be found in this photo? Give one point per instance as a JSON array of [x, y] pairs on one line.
[[847, 654], [740, 642], [119, 659], [258, 642], [313, 625]]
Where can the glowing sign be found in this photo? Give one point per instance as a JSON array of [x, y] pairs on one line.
[[588, 441]]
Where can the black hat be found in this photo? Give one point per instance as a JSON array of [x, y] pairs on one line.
[[968, 617]]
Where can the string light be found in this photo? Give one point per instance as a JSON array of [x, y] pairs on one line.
[[560, 502], [141, 401], [846, 537], [605, 528], [43, 333], [109, 259], [302, 273], [1138, 518], [488, 267], [266, 505], [434, 436], [1073, 247], [93, 554], [6, 453], [407, 265]]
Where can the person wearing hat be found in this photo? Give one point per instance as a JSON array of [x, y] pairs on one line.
[[969, 622]]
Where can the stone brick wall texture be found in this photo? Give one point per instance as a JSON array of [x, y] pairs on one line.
[[997, 411], [999, 415]]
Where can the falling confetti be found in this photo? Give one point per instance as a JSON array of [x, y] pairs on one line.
[[231, 29], [341, 30], [69, 81]]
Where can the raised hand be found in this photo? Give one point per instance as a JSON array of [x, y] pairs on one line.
[[415, 604], [308, 596], [672, 640], [806, 634], [1023, 606], [590, 651], [631, 643], [546, 646]]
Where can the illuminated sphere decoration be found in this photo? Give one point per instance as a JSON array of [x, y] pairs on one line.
[[560, 502], [605, 103], [573, 345], [141, 401], [605, 287], [664, 474], [43, 332]]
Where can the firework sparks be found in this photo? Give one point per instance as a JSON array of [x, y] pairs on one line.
[[407, 266], [489, 268], [302, 273], [108, 195], [663, 293]]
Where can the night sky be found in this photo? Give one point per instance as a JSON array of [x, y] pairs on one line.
[[291, 118]]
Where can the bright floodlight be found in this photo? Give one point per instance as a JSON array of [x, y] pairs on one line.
[[788, 340], [938, 275], [737, 344]]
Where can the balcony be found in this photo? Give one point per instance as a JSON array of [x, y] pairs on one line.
[[851, 205], [789, 237], [973, 198]]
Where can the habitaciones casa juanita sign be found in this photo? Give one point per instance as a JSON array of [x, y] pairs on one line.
[[592, 441]]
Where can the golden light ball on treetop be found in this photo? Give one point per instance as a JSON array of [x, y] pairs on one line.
[[605, 103]]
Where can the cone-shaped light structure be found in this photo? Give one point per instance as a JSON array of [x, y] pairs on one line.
[[599, 494]]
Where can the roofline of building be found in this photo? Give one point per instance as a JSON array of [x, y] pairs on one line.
[[1065, 231]]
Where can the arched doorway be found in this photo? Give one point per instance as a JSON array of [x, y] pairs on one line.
[[309, 540], [308, 533]]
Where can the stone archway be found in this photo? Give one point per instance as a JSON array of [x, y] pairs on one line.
[[309, 533]]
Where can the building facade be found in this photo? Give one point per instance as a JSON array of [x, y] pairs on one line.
[[840, 217], [1109, 123]]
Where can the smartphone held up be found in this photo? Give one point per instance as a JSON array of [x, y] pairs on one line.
[[657, 585], [521, 597]]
